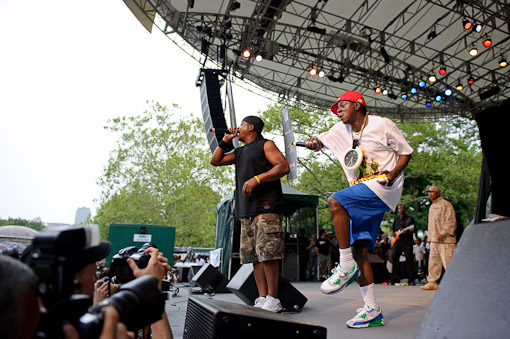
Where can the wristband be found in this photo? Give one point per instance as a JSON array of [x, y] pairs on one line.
[[223, 145], [256, 178]]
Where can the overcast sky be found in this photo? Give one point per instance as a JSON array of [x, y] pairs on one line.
[[66, 66]]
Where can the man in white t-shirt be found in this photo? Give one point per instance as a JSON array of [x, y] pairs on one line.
[[373, 153]]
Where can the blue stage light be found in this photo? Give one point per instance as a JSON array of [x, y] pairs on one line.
[[448, 92], [422, 83], [428, 104], [438, 98], [414, 90], [403, 96]]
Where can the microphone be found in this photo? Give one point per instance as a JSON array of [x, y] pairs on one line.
[[299, 143], [221, 130]]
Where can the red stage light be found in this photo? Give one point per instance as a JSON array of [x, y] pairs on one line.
[[442, 70], [247, 53]]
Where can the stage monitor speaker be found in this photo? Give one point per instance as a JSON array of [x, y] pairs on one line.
[[243, 285], [212, 109], [211, 280], [209, 319], [472, 300]]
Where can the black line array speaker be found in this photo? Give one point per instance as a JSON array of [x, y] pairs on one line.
[[211, 280], [212, 109], [243, 285], [213, 319], [472, 299]]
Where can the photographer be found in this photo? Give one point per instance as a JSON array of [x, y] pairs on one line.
[[19, 310], [157, 267]]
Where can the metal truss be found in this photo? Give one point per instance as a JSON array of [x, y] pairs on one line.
[[360, 49]]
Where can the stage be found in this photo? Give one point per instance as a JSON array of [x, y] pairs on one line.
[[404, 308]]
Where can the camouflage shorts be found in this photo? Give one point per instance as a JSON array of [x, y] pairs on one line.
[[261, 238]]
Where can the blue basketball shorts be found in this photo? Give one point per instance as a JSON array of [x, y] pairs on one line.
[[365, 210]]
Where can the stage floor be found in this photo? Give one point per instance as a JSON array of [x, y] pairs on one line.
[[403, 307]]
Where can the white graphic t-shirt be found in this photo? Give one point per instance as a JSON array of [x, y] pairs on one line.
[[381, 143]]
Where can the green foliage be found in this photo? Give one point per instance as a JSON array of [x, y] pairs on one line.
[[160, 174], [36, 225], [446, 153]]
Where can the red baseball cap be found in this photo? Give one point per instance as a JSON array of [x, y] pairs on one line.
[[348, 96]]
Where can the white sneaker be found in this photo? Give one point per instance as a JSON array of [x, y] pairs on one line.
[[339, 279], [366, 317], [272, 304], [259, 302]]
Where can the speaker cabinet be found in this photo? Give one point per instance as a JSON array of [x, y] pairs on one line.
[[210, 319], [212, 109], [210, 279], [472, 299], [243, 285]]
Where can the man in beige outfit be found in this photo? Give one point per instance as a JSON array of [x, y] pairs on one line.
[[441, 236]]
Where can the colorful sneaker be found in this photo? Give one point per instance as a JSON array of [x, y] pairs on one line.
[[339, 279], [259, 302], [366, 317], [272, 305]]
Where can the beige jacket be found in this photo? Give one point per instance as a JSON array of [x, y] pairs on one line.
[[442, 221]]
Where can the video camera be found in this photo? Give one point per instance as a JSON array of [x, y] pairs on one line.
[[53, 256]]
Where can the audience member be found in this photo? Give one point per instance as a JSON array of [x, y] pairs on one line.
[[419, 256], [324, 247], [312, 258]]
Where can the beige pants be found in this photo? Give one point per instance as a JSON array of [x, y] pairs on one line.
[[440, 256]]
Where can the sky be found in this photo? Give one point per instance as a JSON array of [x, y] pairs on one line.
[[66, 67]]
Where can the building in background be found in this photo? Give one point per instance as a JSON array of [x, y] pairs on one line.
[[82, 214]]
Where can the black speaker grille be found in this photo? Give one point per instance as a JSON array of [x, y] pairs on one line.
[[198, 324]]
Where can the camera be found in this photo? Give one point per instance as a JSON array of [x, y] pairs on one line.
[[139, 303], [119, 267]]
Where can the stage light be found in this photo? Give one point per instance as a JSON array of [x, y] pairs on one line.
[[432, 78], [313, 71], [414, 90], [385, 92], [459, 86], [466, 23], [473, 51], [442, 70], [235, 5], [428, 104], [439, 98], [321, 74], [502, 62], [403, 96], [246, 53], [378, 90], [422, 83], [487, 42], [448, 92], [471, 80], [259, 58], [477, 27]]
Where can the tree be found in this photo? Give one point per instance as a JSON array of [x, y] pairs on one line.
[[446, 153], [160, 174]]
